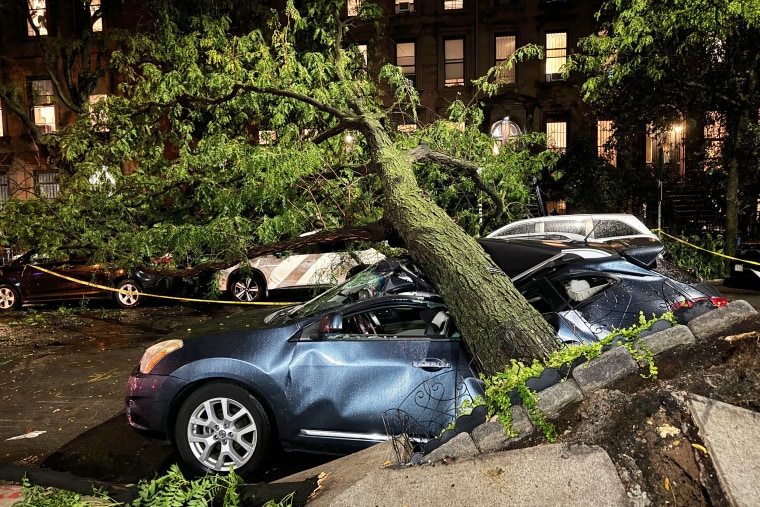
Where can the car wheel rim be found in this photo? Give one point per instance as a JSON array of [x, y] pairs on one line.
[[221, 433], [246, 289], [7, 298], [131, 298]]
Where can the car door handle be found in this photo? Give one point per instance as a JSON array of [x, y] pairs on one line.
[[431, 363]]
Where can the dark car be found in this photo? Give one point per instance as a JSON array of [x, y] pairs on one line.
[[587, 290], [377, 355], [745, 272], [31, 279]]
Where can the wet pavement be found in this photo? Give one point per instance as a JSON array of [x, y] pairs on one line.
[[62, 390]]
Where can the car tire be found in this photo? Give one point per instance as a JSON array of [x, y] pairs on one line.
[[130, 300], [10, 299], [206, 433], [247, 288]]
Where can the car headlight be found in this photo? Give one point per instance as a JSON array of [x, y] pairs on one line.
[[156, 352]]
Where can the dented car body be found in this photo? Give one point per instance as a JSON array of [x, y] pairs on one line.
[[376, 356]]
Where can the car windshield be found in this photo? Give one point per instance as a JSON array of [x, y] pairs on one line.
[[385, 277]]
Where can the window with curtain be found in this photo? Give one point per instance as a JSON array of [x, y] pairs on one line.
[[604, 131], [556, 55], [505, 47], [37, 13], [43, 105], [405, 58], [556, 135], [46, 183], [453, 65]]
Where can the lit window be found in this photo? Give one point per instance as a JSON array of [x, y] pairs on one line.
[[715, 132], [46, 183], [453, 4], [267, 137], [37, 17], [98, 114], [453, 65], [4, 193], [97, 26], [556, 135], [2, 123], [405, 59], [404, 6], [604, 131], [43, 105], [353, 7], [406, 128], [666, 146], [556, 55], [362, 49], [503, 129], [505, 48]]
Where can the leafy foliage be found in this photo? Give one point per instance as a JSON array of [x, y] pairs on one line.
[[701, 260], [500, 386]]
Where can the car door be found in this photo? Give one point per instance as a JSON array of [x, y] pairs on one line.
[[57, 280], [388, 370]]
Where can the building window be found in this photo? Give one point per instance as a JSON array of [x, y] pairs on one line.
[[2, 120], [46, 183], [97, 26], [556, 55], [4, 189], [449, 5], [406, 60], [43, 105], [505, 48], [267, 137], [404, 6], [604, 131], [37, 18], [453, 65], [556, 135], [98, 114], [714, 133], [352, 7], [666, 146]]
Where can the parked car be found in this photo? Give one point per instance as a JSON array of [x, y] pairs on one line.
[[600, 228], [302, 270], [377, 355], [30, 279], [588, 290], [745, 272]]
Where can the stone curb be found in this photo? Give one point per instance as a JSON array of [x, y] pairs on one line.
[[613, 365]]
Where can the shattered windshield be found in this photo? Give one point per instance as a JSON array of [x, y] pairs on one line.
[[386, 277]]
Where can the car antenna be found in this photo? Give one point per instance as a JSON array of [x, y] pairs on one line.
[[585, 240]]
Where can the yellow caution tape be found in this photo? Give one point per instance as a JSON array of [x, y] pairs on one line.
[[660, 231], [146, 294]]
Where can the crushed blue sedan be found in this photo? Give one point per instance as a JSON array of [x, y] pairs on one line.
[[376, 356]]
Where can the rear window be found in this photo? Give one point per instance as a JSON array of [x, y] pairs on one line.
[[567, 226], [612, 228], [518, 229]]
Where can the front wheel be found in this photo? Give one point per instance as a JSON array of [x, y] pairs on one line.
[[247, 288], [220, 426], [130, 297], [9, 298]]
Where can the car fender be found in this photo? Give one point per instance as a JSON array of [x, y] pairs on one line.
[[260, 383]]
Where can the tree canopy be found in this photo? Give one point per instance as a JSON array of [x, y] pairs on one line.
[[656, 63], [223, 140]]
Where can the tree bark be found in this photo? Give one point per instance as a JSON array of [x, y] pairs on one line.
[[496, 322]]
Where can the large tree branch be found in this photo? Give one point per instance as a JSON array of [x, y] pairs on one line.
[[375, 232], [423, 154]]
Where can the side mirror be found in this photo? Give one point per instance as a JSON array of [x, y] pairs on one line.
[[330, 324]]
